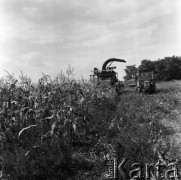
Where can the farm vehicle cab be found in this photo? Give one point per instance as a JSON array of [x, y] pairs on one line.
[[108, 74], [146, 81]]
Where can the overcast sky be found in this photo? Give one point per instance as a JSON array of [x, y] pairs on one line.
[[47, 35]]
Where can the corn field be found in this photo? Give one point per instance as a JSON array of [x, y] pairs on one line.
[[66, 129], [41, 123]]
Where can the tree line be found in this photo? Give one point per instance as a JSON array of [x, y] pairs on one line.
[[166, 69]]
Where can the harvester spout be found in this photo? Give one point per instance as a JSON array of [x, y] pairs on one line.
[[107, 72], [104, 67]]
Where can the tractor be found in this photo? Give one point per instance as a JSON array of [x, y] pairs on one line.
[[145, 81], [108, 74]]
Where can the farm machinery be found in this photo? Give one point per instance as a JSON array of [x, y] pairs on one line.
[[145, 81], [108, 74]]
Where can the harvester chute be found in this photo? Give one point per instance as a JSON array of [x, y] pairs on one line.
[[107, 72]]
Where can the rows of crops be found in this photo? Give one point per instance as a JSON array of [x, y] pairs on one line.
[[66, 129], [41, 124]]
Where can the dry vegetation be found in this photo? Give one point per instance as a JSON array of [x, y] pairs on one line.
[[65, 129]]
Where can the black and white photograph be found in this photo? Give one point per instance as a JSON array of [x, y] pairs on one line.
[[90, 89]]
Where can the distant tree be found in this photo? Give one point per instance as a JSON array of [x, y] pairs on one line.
[[130, 72], [166, 69], [146, 65]]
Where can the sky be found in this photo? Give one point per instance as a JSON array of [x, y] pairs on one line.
[[49, 35]]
